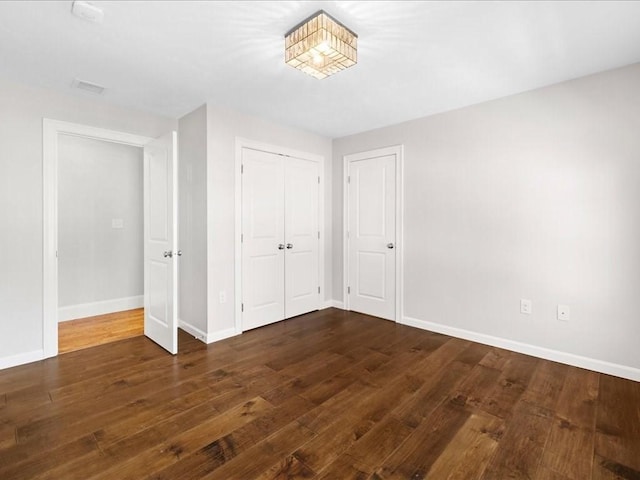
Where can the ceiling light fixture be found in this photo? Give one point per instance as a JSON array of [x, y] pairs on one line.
[[320, 46]]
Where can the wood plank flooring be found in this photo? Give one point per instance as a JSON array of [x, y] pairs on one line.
[[91, 331], [328, 395]]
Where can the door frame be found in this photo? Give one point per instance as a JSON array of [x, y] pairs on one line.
[[286, 152], [51, 129], [398, 151]]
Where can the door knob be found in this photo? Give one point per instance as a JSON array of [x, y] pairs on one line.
[[281, 246], [289, 246], [168, 254], [179, 253], [390, 245]]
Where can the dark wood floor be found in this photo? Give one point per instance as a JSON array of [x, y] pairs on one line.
[[91, 331], [330, 395]]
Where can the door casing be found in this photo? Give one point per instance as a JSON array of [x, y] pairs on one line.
[[278, 150], [51, 130], [398, 152]]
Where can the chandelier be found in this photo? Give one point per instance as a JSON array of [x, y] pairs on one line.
[[320, 46]]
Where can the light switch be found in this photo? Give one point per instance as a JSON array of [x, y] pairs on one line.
[[564, 313]]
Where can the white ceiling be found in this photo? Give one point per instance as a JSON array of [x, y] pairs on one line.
[[415, 58]]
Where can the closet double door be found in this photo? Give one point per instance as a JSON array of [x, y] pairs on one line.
[[280, 237]]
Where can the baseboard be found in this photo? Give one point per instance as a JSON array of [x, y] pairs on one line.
[[83, 310], [21, 359], [191, 330], [204, 337], [222, 334], [596, 365], [332, 304]]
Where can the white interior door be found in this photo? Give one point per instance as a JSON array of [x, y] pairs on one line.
[[263, 243], [160, 241], [302, 293], [371, 235]]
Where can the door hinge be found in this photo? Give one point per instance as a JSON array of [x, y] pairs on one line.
[[347, 233], [318, 179], [318, 234], [241, 237], [242, 168], [242, 307], [349, 179], [348, 290], [318, 289]]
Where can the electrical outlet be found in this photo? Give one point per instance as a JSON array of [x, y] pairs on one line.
[[564, 313], [223, 296], [525, 306]]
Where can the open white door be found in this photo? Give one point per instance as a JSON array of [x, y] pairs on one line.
[[160, 241]]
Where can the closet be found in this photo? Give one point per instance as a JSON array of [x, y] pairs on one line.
[[280, 237]]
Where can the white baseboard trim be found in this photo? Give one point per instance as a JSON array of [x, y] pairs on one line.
[[21, 359], [222, 334], [596, 365], [207, 338], [191, 330], [83, 310], [332, 304]]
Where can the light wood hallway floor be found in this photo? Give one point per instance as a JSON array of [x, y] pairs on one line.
[[92, 331], [329, 395]]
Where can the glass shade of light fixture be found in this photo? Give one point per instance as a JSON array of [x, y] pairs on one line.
[[320, 46]]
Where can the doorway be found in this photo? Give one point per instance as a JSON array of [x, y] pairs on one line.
[[100, 242], [160, 229], [373, 232]]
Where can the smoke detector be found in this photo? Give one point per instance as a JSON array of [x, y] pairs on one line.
[[87, 11]]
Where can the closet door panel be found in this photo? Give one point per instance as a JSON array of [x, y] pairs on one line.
[[301, 236], [263, 239]]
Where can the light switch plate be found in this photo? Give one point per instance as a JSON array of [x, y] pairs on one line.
[[564, 313]]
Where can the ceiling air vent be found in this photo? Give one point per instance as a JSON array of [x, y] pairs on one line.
[[87, 86]]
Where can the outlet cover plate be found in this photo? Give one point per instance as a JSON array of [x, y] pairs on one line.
[[525, 306]]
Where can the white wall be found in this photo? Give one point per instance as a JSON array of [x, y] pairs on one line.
[[223, 126], [99, 182], [192, 217], [531, 196], [22, 109]]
